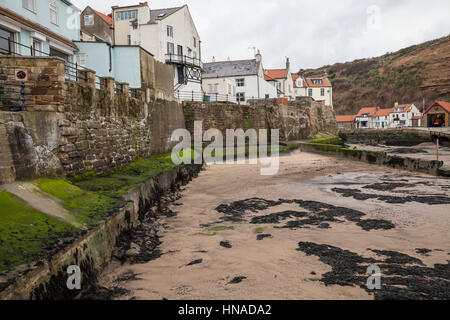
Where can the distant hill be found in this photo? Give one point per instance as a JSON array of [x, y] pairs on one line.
[[405, 76]]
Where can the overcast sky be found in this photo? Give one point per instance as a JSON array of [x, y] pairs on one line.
[[311, 33]]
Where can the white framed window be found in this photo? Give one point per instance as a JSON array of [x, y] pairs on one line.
[[213, 88], [29, 5], [170, 31], [7, 39], [53, 13], [240, 82], [240, 97], [195, 42], [89, 20], [81, 59], [310, 92], [126, 15], [170, 48], [37, 48], [322, 92]]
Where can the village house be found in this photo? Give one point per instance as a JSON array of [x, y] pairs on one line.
[[437, 115], [402, 115], [382, 119], [320, 89], [345, 122], [96, 26], [300, 87], [243, 79], [168, 34], [39, 28], [365, 118], [281, 79]]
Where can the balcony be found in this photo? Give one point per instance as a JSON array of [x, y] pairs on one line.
[[172, 58]]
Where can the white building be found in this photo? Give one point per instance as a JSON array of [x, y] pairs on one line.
[[300, 87], [403, 115], [246, 75], [381, 119], [365, 118], [282, 80], [320, 89], [169, 34]]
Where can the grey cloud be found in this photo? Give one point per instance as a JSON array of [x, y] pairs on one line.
[[311, 33]]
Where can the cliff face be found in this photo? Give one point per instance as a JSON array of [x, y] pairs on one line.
[[406, 76]]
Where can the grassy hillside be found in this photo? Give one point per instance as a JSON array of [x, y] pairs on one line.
[[405, 76]]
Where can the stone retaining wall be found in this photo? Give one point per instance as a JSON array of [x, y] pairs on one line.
[[412, 164], [93, 250]]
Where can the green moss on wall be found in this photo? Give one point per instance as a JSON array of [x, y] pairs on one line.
[[25, 232]]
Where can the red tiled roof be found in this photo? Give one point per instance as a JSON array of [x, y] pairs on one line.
[[370, 111], [404, 107], [106, 18], [383, 112], [273, 74], [345, 118], [416, 118], [294, 79], [325, 82], [444, 105]]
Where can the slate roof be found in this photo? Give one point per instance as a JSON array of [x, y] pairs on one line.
[[154, 14], [230, 69]]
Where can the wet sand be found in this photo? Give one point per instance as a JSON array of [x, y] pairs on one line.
[[273, 267]]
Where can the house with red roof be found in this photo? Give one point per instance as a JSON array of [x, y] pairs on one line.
[[346, 122], [437, 115], [300, 87], [382, 118], [365, 118], [402, 115], [96, 26], [282, 80], [320, 89]]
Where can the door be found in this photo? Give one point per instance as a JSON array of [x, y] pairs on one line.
[[180, 74], [180, 50]]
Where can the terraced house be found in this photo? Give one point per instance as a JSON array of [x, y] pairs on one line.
[[39, 28]]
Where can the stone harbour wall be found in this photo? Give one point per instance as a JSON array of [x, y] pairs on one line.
[[74, 127], [298, 120]]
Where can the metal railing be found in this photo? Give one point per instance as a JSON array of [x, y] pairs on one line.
[[73, 71], [205, 97], [183, 60], [14, 95]]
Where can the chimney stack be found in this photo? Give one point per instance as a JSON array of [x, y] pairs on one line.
[[288, 64], [214, 59], [258, 56]]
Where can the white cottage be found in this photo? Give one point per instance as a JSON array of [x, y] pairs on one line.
[[169, 34]]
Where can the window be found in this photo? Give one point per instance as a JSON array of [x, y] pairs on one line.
[[53, 13], [240, 97], [240, 82], [322, 92], [29, 5], [6, 42], [317, 81], [170, 31], [170, 48], [213, 88], [310, 92], [89, 20], [37, 48], [126, 15], [267, 96], [230, 89], [195, 43], [180, 50], [195, 55], [57, 53], [81, 59], [129, 40]]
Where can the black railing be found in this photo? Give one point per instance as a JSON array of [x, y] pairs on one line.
[[205, 97], [73, 71], [183, 60], [14, 96]]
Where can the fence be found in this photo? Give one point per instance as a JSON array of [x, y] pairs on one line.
[[73, 71], [206, 97], [14, 96]]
